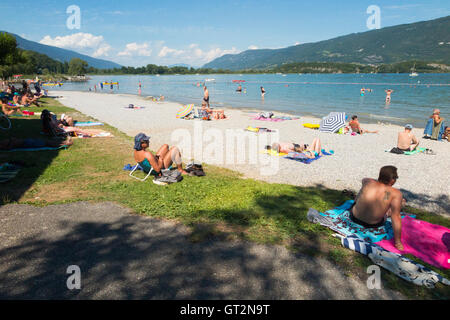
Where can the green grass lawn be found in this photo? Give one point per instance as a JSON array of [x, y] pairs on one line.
[[220, 205]]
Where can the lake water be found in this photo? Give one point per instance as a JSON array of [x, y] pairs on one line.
[[413, 98]]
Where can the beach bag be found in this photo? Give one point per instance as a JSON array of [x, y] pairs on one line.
[[169, 176], [397, 151]]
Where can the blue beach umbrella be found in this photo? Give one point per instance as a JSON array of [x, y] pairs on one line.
[[332, 122]]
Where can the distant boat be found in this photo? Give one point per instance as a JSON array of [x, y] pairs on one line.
[[414, 73], [209, 80]]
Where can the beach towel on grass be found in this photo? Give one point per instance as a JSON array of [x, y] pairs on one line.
[[35, 149], [129, 167], [403, 267], [301, 157], [340, 217], [8, 172], [88, 124], [426, 241]]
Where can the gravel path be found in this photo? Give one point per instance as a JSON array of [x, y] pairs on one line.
[[125, 256], [423, 178]]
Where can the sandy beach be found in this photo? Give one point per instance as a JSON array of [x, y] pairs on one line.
[[423, 178]]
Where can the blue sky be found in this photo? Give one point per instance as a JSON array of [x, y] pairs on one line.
[[166, 32]]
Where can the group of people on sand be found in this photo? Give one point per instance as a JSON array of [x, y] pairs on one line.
[[434, 130], [206, 109]]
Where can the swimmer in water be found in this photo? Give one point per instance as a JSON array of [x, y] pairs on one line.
[[263, 92], [239, 89], [388, 95], [362, 92]]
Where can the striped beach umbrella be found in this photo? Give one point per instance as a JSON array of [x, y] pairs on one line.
[[185, 110], [333, 122]]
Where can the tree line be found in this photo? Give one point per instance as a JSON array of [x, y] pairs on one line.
[[17, 61]]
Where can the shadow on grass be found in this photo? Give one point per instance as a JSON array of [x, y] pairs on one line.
[[124, 256], [33, 163], [422, 200]]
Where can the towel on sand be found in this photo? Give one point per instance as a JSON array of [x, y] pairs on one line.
[[408, 153], [301, 157], [268, 119], [426, 241], [274, 153]]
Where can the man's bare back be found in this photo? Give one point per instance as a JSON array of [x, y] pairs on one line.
[[407, 141], [374, 201], [378, 200]]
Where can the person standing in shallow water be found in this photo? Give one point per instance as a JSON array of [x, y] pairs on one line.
[[388, 95], [206, 95]]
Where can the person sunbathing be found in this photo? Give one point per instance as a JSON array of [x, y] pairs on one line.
[[17, 99], [28, 99], [406, 140], [377, 200], [311, 151], [8, 109], [16, 143], [51, 126], [356, 126], [163, 159]]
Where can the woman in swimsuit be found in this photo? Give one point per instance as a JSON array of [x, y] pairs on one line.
[[311, 151], [388, 95], [163, 159], [263, 92]]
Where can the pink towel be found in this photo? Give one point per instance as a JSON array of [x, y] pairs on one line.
[[426, 241], [268, 119]]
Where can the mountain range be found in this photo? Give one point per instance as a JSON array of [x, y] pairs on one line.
[[62, 55], [426, 41]]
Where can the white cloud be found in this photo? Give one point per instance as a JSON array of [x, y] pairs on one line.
[[252, 47], [297, 43], [85, 42], [165, 51], [77, 40], [135, 49], [192, 54], [102, 51]]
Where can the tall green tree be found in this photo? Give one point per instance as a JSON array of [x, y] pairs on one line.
[[78, 67], [9, 54]]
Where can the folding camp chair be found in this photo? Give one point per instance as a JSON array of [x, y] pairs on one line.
[[135, 168]]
